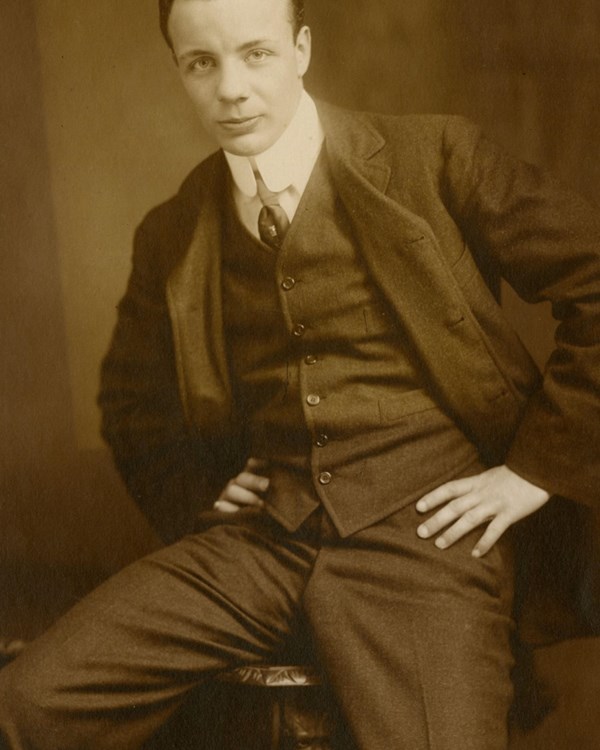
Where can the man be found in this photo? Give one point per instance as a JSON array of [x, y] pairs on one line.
[[312, 315]]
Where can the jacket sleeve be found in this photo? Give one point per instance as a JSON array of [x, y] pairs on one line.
[[168, 469], [545, 242]]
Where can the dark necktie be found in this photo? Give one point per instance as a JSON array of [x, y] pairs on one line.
[[273, 221]]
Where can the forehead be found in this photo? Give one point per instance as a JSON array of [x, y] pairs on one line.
[[237, 17]]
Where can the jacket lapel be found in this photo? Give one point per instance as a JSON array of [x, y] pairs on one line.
[[195, 305]]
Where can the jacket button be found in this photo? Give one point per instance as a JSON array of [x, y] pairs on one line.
[[310, 359], [322, 441], [288, 284], [313, 400], [325, 478], [299, 330]]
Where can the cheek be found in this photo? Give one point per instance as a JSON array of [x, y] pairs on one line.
[[280, 93], [202, 103], [197, 91]]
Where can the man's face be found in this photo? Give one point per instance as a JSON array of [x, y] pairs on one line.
[[241, 66]]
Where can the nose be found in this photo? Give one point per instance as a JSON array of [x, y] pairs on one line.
[[233, 83]]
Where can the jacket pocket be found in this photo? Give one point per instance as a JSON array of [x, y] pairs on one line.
[[411, 402]]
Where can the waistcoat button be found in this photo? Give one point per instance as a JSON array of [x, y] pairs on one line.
[[313, 400], [325, 478], [310, 359], [288, 284], [299, 330], [322, 441]]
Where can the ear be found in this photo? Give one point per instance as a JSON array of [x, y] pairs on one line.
[[303, 50]]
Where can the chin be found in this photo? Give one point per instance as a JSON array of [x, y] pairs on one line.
[[244, 147], [250, 144]]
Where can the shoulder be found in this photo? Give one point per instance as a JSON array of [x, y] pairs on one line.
[[436, 140], [420, 127], [414, 143], [166, 231], [204, 180], [436, 132]]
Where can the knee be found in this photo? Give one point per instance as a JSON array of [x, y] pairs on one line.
[[26, 695], [11, 707]]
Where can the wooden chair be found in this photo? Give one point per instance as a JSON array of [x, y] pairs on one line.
[[277, 707]]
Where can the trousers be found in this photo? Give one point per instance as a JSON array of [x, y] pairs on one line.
[[415, 641]]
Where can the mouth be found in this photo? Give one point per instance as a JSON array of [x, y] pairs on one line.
[[239, 124]]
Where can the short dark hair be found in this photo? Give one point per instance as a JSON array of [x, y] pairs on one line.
[[164, 10]]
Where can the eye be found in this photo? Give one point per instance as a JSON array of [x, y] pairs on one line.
[[257, 55], [202, 64]]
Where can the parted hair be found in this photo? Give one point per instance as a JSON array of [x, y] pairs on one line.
[[164, 10]]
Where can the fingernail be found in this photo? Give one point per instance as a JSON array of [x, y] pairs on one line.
[[421, 506], [476, 553], [264, 485], [440, 543], [423, 532]]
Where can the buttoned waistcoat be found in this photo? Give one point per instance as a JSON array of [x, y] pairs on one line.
[[440, 215]]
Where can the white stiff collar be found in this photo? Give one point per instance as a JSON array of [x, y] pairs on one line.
[[289, 161]]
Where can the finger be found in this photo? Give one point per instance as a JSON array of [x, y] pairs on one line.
[[252, 482], [256, 464], [226, 507], [447, 515], [233, 493], [493, 532], [445, 492], [465, 524]]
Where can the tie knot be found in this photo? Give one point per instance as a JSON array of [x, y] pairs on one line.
[[273, 222]]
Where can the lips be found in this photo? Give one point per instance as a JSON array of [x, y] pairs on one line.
[[239, 123]]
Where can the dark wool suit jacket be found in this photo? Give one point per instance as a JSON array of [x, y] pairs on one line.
[[440, 215]]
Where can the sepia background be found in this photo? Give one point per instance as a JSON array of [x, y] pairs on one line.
[[94, 130]]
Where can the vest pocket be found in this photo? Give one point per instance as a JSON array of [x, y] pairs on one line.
[[411, 402], [377, 319]]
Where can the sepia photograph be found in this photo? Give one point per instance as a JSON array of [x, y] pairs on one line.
[[300, 375]]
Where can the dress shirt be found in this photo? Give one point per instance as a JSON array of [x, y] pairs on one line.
[[285, 167]]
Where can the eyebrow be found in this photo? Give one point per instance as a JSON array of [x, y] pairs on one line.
[[242, 48], [193, 53]]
